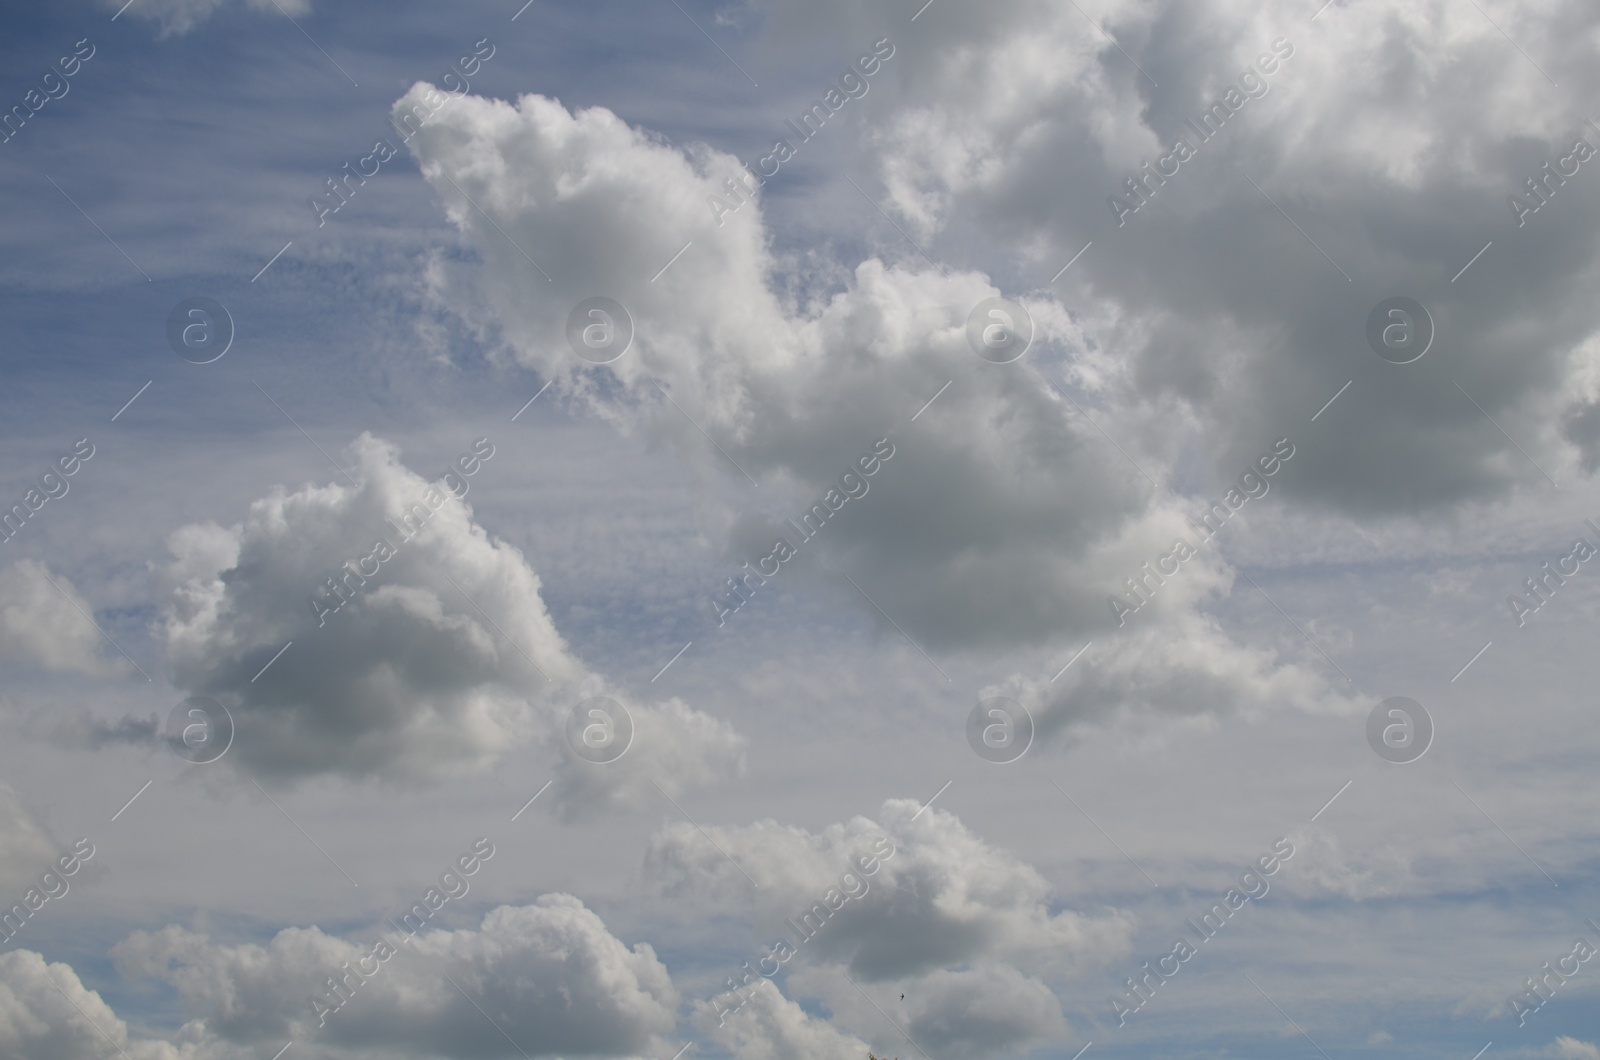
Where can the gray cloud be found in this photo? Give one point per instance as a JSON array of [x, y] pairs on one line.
[[549, 974], [1393, 138], [944, 898], [1005, 516], [438, 665], [772, 1027], [46, 1013], [988, 1009]]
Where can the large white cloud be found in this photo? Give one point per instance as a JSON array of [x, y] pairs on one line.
[[946, 919], [1005, 516], [772, 1027], [437, 665], [46, 1013], [549, 974], [1393, 136]]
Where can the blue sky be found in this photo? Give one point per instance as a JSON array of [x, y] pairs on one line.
[[1173, 347]]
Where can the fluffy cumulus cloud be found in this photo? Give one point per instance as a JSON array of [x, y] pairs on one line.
[[45, 625], [985, 1011], [550, 975], [421, 648], [1180, 665], [772, 1027], [989, 1009], [178, 17], [1004, 516], [1399, 137], [1201, 328], [898, 905], [942, 897], [46, 1013], [794, 400]]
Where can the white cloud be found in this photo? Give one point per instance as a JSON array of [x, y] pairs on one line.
[[1009, 517], [771, 1027], [1002, 523], [1177, 664], [1417, 118], [46, 1013], [1003, 519], [989, 1009], [944, 898], [438, 665], [41, 626], [549, 974]]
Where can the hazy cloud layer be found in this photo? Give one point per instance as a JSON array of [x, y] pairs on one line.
[[25, 848]]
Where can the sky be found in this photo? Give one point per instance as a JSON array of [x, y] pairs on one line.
[[799, 530]]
